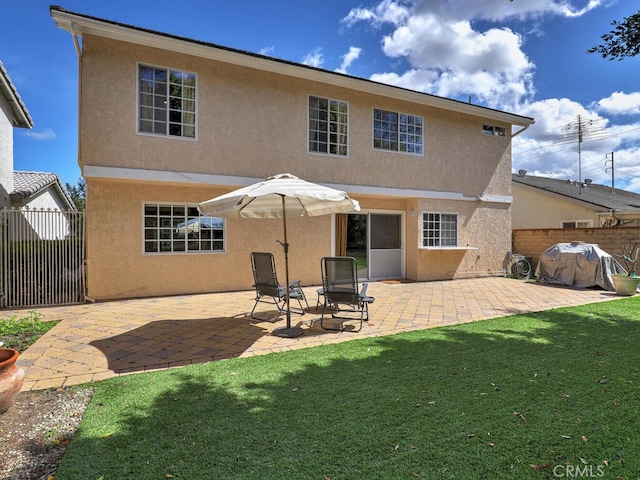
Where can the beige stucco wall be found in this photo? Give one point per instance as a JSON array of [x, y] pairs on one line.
[[534, 208], [254, 124], [483, 240], [118, 268]]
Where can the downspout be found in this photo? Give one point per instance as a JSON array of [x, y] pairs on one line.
[[76, 43], [521, 130], [78, 47]]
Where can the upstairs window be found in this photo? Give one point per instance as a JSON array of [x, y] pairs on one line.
[[181, 228], [166, 102], [577, 224], [328, 126], [439, 229], [494, 130], [397, 132]]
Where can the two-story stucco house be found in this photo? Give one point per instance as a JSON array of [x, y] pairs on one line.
[[167, 122]]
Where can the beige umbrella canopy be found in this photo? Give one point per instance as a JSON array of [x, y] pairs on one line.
[[280, 196]]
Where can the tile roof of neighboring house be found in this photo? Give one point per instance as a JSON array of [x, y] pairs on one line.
[[600, 196], [27, 184], [78, 24], [21, 117]]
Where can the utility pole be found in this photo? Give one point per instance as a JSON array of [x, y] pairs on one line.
[[612, 169], [579, 155], [579, 128]]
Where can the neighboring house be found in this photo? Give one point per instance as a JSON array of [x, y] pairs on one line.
[[44, 193], [27, 190], [541, 202], [14, 115], [166, 122]]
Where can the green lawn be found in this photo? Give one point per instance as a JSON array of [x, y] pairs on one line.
[[546, 395]]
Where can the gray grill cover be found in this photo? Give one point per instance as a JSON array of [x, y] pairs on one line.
[[578, 265]]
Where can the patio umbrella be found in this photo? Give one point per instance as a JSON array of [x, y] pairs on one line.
[[281, 196]]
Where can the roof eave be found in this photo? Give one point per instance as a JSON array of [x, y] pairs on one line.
[[54, 182], [80, 24], [574, 199], [21, 117], [621, 213]]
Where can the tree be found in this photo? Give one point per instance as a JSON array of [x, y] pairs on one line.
[[621, 42], [78, 193]]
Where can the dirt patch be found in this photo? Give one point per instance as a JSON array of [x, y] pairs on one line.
[[35, 431]]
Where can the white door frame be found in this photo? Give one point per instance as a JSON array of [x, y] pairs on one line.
[[403, 231]]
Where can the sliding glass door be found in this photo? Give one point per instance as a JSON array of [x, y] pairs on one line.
[[385, 251], [374, 240]]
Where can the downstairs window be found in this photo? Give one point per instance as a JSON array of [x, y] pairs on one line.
[[181, 229]]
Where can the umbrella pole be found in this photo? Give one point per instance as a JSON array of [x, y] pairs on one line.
[[287, 331], [285, 247]]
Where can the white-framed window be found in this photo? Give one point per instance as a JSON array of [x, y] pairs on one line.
[[577, 224], [328, 126], [166, 102], [494, 130], [179, 228], [439, 229], [398, 132]]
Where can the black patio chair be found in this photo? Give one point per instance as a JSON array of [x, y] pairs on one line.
[[269, 290], [342, 295]]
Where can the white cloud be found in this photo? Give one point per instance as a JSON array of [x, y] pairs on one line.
[[46, 134], [500, 10], [314, 58], [439, 38], [620, 103], [489, 65], [457, 60], [348, 58], [387, 11], [571, 142], [267, 50]]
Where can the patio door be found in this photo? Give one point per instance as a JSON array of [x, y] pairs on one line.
[[375, 240]]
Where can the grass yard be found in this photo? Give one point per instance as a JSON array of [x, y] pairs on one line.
[[546, 395]]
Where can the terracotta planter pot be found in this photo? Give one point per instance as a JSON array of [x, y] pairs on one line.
[[11, 378], [625, 285]]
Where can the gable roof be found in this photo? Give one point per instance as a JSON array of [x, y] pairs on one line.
[[21, 117], [28, 184], [78, 24], [601, 197]]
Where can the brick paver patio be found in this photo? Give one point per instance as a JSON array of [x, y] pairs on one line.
[[101, 340]]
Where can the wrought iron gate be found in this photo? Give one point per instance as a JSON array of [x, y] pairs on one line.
[[42, 257]]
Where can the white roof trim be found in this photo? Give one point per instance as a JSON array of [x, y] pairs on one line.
[[495, 198], [202, 179], [21, 117], [79, 24]]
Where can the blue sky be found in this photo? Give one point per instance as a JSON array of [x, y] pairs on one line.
[[526, 57]]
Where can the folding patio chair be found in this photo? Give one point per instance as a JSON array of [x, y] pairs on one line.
[[268, 289], [342, 295]]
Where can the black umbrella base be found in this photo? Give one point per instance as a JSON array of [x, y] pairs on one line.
[[288, 332]]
